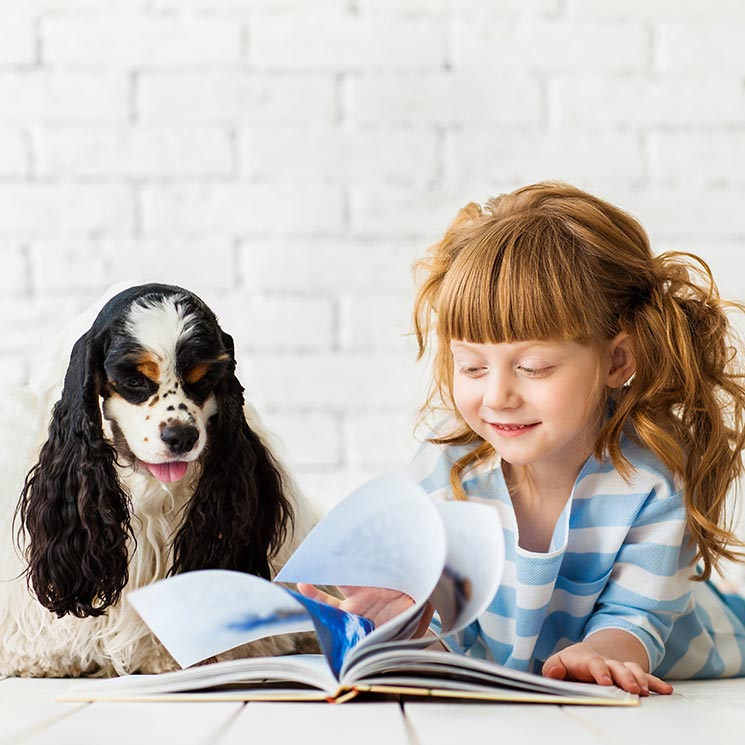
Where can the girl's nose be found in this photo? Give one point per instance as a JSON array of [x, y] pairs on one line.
[[499, 394]]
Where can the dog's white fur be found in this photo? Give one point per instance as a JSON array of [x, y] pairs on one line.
[[34, 641]]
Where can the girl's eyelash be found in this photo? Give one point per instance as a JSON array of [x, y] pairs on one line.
[[535, 371], [470, 370]]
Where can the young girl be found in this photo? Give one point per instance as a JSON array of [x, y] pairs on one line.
[[592, 396]]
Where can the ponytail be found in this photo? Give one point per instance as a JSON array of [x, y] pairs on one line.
[[686, 402]]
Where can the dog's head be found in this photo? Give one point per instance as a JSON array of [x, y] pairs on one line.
[[156, 362], [164, 364]]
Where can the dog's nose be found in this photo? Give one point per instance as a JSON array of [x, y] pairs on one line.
[[180, 438]]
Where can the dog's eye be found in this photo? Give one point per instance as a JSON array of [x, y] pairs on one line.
[[136, 382]]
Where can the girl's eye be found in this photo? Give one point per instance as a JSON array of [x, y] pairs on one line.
[[535, 372], [471, 371]]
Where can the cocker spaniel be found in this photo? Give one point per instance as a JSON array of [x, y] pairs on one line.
[[152, 465]]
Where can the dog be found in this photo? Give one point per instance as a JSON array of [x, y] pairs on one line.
[[152, 465]]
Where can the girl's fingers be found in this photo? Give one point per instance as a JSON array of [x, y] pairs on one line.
[[656, 685], [624, 678], [553, 668], [312, 592], [642, 678], [599, 671]]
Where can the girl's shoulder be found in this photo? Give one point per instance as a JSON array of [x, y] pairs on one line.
[[432, 464], [648, 476]]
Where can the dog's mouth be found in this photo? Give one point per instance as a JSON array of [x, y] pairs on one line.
[[167, 472]]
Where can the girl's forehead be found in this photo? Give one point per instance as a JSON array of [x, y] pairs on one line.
[[545, 345]]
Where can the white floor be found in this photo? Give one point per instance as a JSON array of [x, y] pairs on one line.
[[697, 713]]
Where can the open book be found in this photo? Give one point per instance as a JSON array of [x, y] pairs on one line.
[[387, 534]]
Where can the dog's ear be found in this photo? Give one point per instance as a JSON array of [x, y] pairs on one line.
[[238, 515], [72, 507]]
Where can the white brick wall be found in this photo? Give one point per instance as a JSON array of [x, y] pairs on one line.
[[289, 160]]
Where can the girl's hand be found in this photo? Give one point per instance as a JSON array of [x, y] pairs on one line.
[[376, 603], [584, 663]]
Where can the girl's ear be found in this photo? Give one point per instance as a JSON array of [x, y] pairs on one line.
[[622, 360]]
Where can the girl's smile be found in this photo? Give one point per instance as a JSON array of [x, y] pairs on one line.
[[512, 430]]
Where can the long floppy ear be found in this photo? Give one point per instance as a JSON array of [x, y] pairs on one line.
[[72, 506], [238, 515]]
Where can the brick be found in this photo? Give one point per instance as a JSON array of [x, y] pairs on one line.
[[14, 274], [575, 156], [548, 44], [344, 43], [325, 487], [237, 98], [500, 7], [134, 152], [17, 45], [724, 257], [198, 265], [29, 324], [673, 100], [445, 98], [278, 322], [248, 5], [49, 209], [699, 158], [377, 321], [56, 97], [230, 209], [328, 265], [417, 213], [309, 439], [701, 46], [127, 39], [339, 155], [684, 212], [36, 6], [657, 9], [383, 441], [338, 382], [14, 154]]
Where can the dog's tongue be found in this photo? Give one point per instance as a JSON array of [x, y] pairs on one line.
[[168, 472]]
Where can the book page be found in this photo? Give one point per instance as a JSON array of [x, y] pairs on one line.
[[473, 566], [469, 581], [199, 614], [386, 534]]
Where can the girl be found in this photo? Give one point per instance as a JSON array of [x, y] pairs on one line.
[[591, 396]]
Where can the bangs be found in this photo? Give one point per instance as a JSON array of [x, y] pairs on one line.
[[521, 279]]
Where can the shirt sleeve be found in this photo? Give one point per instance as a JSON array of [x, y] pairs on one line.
[[649, 585]]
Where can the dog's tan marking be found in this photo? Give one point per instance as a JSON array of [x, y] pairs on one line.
[[196, 373], [200, 370], [155, 400], [149, 367]]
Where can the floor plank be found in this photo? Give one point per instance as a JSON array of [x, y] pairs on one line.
[[728, 694], [127, 723], [448, 723], [319, 724], [676, 718], [28, 705]]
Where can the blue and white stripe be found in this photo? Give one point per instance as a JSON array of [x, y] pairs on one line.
[[619, 558]]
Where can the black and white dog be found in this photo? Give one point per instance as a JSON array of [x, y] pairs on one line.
[[152, 465]]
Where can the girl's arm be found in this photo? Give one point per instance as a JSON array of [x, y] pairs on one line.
[[607, 657]]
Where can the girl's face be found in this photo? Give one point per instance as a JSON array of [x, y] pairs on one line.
[[538, 403]]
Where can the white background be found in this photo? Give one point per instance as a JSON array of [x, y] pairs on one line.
[[288, 159]]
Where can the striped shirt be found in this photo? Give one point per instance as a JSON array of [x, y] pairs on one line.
[[618, 559]]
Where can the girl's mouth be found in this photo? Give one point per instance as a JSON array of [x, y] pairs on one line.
[[512, 430]]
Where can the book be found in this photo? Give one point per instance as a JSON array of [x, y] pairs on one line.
[[386, 534]]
